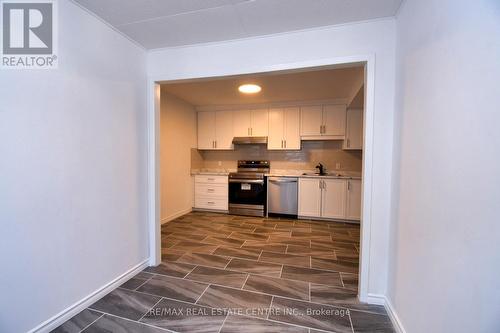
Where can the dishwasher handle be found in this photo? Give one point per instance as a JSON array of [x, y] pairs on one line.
[[282, 180]]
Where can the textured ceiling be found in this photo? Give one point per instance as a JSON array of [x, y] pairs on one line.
[[167, 23], [337, 83]]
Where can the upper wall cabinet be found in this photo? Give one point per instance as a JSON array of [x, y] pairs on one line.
[[215, 130], [354, 130], [325, 122], [284, 129], [250, 122]]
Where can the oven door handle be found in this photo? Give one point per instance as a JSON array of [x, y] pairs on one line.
[[247, 181]]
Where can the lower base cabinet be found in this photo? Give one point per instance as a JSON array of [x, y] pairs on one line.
[[330, 198], [211, 192]]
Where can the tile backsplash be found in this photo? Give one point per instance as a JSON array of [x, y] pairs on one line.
[[329, 153]]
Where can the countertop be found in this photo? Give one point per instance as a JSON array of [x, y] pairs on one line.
[[282, 173]]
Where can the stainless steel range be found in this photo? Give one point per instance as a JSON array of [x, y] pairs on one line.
[[247, 188]]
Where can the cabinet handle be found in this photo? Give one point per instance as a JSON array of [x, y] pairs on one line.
[[210, 190], [248, 131], [348, 185], [210, 179], [251, 130], [215, 143], [210, 202], [285, 143], [320, 129]]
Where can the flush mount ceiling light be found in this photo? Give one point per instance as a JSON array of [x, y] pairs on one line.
[[249, 88]]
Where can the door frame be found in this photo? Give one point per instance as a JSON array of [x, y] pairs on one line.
[[153, 114]]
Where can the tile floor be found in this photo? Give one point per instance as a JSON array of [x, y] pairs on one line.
[[224, 273]]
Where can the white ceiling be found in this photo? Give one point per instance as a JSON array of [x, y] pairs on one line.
[[167, 23], [325, 84]]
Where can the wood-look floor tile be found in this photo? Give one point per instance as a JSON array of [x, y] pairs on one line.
[[125, 303], [278, 286], [179, 289], [350, 280], [238, 252], [288, 240], [136, 281], [255, 267], [328, 244], [218, 276], [249, 236], [311, 275], [334, 265], [184, 317], [204, 260], [223, 241], [187, 237], [194, 247], [77, 323], [305, 250], [237, 324], [171, 269], [222, 297], [170, 255], [263, 246], [283, 258], [323, 317], [311, 235], [351, 256], [240, 228], [114, 324], [369, 322], [274, 232]]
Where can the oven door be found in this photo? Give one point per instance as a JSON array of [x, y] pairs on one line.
[[247, 196]]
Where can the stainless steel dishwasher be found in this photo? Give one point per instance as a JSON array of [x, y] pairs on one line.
[[282, 193]]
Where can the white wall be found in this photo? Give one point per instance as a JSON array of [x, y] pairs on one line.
[[445, 262], [375, 38], [72, 172], [177, 137]]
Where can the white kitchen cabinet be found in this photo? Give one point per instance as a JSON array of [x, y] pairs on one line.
[[250, 122], [215, 130], [323, 122], [284, 129], [211, 192], [354, 130], [353, 202], [309, 197], [333, 198]]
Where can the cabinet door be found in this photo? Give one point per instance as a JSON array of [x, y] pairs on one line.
[[224, 130], [276, 124], [334, 120], [242, 123], [353, 205], [354, 129], [334, 198], [311, 119], [291, 128], [206, 130], [260, 122], [309, 197]]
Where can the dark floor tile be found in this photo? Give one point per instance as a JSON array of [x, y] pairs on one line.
[[222, 297], [113, 324], [274, 232], [334, 265], [287, 259], [78, 322], [311, 275], [218, 276], [330, 245], [323, 317], [171, 269], [239, 228], [277, 286], [350, 280], [179, 289], [204, 260], [125, 303], [255, 267], [249, 236], [238, 252], [269, 247], [305, 250], [194, 247], [187, 236], [170, 255], [288, 240], [223, 241], [351, 256], [369, 322], [133, 283], [184, 317], [238, 324], [311, 235]]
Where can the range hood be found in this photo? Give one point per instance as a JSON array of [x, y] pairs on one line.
[[250, 140]]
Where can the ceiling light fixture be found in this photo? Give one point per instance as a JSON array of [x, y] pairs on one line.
[[249, 88]]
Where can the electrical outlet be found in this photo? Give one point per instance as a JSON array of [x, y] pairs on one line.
[[337, 166]]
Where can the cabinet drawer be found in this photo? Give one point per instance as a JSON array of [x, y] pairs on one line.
[[211, 190], [210, 203], [211, 179]]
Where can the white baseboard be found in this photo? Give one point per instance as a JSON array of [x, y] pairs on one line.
[[176, 215], [383, 300], [82, 304]]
